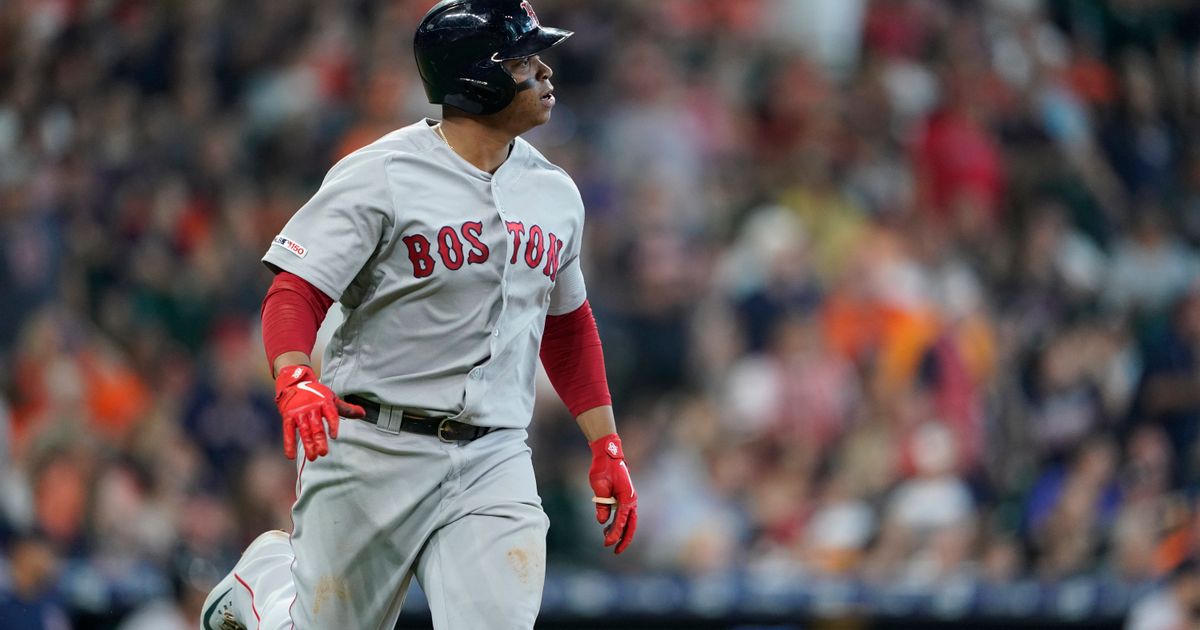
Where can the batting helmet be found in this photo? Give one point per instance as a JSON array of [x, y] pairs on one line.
[[460, 44]]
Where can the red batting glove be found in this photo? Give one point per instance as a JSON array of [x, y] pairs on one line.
[[609, 477], [304, 403]]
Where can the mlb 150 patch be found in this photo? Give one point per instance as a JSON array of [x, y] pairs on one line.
[[290, 245]]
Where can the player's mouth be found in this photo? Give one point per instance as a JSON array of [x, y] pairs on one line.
[[548, 98]]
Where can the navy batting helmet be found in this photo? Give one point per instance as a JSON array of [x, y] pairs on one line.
[[460, 44]]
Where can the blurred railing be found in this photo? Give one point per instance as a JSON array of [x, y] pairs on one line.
[[598, 601]]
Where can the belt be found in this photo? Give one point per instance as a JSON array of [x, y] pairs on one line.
[[444, 428]]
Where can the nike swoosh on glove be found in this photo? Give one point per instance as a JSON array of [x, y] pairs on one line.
[[609, 477], [307, 407]]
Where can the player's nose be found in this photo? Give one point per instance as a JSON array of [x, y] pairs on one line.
[[544, 71]]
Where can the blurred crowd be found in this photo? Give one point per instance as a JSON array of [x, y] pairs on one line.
[[904, 291]]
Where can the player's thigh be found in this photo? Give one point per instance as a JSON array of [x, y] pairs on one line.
[[486, 570], [484, 567], [360, 518]]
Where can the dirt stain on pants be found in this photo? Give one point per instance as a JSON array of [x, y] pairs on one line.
[[327, 587], [526, 563]]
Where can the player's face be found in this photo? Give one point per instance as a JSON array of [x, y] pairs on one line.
[[535, 94]]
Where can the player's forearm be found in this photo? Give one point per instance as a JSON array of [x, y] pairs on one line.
[[292, 312], [597, 422], [574, 360], [287, 359]]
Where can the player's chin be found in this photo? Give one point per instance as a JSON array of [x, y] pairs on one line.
[[536, 119]]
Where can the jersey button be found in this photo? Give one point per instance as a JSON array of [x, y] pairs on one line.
[[496, 332], [476, 373]]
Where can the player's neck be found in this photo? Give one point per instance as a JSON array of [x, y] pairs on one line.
[[483, 146]]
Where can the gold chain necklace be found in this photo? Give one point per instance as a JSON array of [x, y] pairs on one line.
[[438, 129]]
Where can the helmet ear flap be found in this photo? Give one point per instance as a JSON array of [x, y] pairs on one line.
[[488, 92], [463, 102]]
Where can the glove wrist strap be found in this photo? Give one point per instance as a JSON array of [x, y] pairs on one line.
[[291, 375], [609, 445]]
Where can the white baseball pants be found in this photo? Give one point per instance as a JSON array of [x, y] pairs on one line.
[[464, 518]]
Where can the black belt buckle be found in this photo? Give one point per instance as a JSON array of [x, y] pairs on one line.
[[444, 426]]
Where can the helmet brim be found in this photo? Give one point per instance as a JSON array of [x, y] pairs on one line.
[[539, 39]]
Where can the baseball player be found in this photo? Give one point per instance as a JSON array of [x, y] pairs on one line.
[[453, 249]]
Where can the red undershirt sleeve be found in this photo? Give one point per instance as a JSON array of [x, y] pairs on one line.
[[574, 360], [292, 313]]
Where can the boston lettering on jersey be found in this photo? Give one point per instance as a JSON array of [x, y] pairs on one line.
[[464, 244]]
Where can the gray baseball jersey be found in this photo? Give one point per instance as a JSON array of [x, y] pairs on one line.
[[445, 273]]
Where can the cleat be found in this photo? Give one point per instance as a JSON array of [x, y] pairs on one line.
[[218, 613], [219, 610]]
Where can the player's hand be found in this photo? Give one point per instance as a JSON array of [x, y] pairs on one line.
[[609, 477], [307, 406]]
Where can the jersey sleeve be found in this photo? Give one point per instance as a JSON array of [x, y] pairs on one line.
[[330, 237], [569, 292]]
